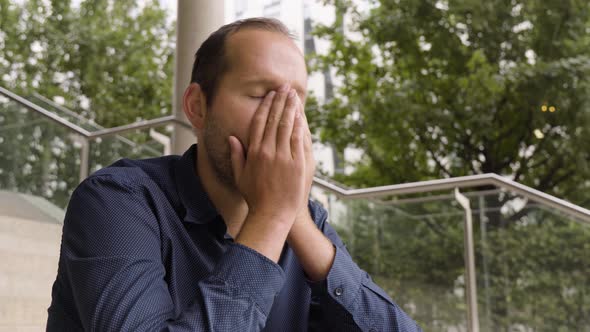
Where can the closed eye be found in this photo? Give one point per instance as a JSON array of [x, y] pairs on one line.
[[257, 97]]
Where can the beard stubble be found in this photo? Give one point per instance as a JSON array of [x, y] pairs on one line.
[[218, 152]]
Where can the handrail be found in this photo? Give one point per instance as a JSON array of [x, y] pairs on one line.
[[86, 135], [469, 181], [390, 190], [95, 126], [97, 133], [69, 112], [53, 117], [138, 125]]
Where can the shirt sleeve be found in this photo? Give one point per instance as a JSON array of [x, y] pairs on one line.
[[111, 253], [348, 299]]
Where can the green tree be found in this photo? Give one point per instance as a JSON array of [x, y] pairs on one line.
[[434, 89], [110, 61], [449, 88]]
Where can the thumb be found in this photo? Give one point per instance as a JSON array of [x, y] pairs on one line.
[[237, 157]]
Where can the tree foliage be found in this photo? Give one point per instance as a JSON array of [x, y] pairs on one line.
[[531, 274], [435, 89], [444, 88], [110, 60]]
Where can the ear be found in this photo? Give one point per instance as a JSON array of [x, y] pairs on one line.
[[194, 105]]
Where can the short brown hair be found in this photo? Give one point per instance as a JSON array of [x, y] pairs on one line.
[[210, 62]]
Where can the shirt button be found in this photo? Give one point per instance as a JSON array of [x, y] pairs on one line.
[[338, 291]]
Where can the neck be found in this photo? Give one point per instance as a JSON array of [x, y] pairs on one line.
[[228, 201]]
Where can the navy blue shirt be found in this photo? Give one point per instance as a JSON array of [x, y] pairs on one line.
[[144, 249]]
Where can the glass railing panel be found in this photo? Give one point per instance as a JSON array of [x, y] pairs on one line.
[[81, 120], [412, 248], [137, 144], [533, 266], [37, 156], [43, 158]]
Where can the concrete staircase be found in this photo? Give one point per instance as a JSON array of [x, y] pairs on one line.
[[30, 235]]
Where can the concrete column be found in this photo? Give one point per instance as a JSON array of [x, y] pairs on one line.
[[196, 20]]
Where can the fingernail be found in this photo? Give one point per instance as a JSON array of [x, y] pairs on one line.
[[271, 94], [292, 93]]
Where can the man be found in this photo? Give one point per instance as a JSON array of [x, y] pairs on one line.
[[222, 238]]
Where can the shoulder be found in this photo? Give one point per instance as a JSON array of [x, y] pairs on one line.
[[116, 211], [129, 182], [128, 190], [136, 175]]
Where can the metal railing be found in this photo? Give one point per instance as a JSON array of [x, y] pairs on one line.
[[450, 184], [462, 182], [454, 184], [85, 135]]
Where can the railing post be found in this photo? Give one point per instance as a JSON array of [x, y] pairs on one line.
[[162, 139], [484, 247], [471, 286]]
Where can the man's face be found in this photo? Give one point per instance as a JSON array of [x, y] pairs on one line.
[[259, 61]]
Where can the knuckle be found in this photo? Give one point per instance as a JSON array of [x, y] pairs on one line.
[[285, 123], [265, 154], [295, 137], [274, 117], [253, 149]]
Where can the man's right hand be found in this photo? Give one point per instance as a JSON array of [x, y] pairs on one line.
[[271, 177]]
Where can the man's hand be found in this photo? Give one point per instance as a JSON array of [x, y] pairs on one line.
[[314, 251], [272, 176], [303, 211], [303, 216]]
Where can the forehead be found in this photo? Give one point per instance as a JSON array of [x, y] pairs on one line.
[[259, 55]]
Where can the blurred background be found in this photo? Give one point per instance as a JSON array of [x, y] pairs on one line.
[[466, 123]]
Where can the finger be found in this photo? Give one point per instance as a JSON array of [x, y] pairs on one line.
[[286, 124], [237, 157], [259, 120], [297, 148], [306, 131], [274, 116], [301, 106]]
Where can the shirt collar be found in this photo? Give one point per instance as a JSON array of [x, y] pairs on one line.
[[198, 206]]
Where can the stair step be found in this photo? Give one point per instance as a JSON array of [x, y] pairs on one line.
[[27, 313], [31, 229]]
